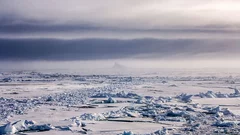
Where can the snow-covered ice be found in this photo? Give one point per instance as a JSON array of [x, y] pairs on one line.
[[149, 104]]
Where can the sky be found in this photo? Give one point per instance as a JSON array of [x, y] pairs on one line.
[[166, 30]]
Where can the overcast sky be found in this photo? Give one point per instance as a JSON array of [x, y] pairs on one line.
[[113, 29]]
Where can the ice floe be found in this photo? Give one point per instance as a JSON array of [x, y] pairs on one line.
[[24, 126]]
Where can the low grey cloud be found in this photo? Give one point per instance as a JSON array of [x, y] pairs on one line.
[[99, 49]]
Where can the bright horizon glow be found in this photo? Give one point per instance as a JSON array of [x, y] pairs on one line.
[[129, 64]]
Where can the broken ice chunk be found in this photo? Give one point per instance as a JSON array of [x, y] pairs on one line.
[[22, 126], [6, 79], [163, 131], [94, 116], [76, 123], [8, 129], [224, 124], [127, 133], [214, 110], [185, 98], [133, 114], [44, 127], [236, 91], [110, 100]]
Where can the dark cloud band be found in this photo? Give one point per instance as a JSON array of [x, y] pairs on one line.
[[97, 49]]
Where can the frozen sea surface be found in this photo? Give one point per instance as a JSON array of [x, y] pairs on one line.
[[156, 101]]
